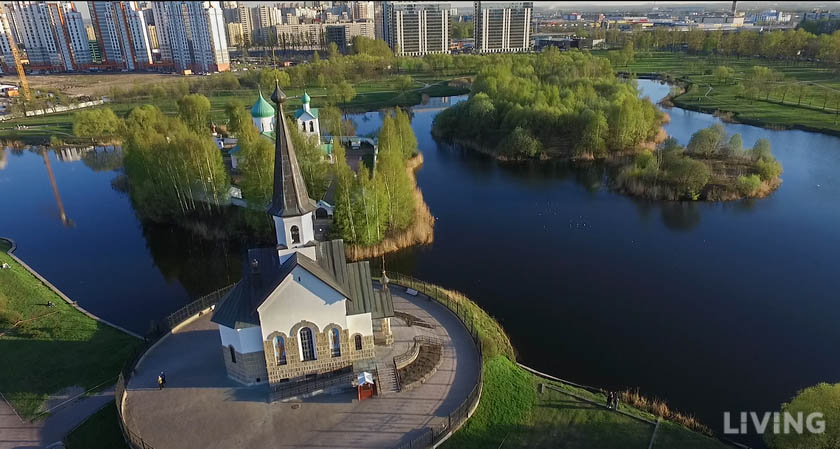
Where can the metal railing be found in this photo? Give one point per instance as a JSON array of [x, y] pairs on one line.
[[433, 435], [158, 331], [409, 356], [292, 389]]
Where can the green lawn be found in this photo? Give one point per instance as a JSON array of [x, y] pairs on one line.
[[374, 94], [817, 109], [54, 347], [100, 431]]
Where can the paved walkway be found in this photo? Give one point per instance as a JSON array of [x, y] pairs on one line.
[[201, 407], [17, 434]]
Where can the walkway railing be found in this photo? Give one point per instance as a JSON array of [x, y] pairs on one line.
[[158, 331], [437, 433]]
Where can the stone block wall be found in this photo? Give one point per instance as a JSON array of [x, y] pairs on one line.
[[295, 369], [382, 334], [249, 369]]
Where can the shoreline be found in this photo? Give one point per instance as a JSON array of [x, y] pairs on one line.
[[732, 116], [421, 231]]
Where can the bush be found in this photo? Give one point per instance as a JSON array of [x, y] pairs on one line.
[[768, 169], [520, 143], [821, 398], [687, 175], [747, 185]]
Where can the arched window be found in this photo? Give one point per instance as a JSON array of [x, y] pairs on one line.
[[295, 234], [335, 342], [232, 354], [358, 341], [307, 344], [303, 126], [312, 126], [280, 350]]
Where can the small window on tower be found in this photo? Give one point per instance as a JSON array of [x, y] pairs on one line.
[[295, 234], [312, 126], [303, 126]]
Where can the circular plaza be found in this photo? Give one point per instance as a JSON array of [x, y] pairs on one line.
[[202, 407]]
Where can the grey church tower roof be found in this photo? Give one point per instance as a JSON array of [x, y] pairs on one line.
[[290, 196]]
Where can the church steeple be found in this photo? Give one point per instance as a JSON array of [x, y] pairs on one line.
[[291, 206], [290, 195]]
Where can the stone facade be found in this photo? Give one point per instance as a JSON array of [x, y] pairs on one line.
[[295, 369], [249, 369], [382, 334]]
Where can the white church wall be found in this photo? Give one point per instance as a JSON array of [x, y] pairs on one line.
[[251, 340], [360, 324], [307, 299], [230, 337]]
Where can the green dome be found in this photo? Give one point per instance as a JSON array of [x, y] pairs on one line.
[[305, 99], [262, 109]]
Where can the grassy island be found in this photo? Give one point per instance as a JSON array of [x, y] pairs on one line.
[[552, 105], [712, 167], [50, 348]]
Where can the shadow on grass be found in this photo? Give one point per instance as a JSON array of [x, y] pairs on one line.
[[35, 367]]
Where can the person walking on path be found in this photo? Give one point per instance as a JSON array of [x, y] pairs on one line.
[[609, 399], [161, 381], [615, 402]]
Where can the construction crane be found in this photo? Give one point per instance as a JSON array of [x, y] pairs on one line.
[[24, 84]]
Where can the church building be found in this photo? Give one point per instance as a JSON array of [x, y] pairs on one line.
[[300, 310], [307, 118]]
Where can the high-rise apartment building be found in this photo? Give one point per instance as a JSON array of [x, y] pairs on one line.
[[36, 32], [502, 27], [416, 29], [362, 10], [69, 30], [7, 60], [122, 35], [267, 16], [343, 33], [191, 36], [245, 17], [234, 34]]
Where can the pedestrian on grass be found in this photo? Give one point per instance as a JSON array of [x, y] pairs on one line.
[[609, 399], [615, 402]]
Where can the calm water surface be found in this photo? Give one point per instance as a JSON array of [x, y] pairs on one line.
[[712, 306]]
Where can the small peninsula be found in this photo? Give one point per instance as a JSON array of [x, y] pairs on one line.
[[571, 107]]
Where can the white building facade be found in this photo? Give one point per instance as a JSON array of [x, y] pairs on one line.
[[502, 27], [416, 29], [191, 36]]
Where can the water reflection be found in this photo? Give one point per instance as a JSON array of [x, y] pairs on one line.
[[61, 212]]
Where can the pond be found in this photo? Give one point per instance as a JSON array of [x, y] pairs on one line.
[[714, 307]]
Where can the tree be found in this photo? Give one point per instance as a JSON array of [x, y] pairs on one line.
[[824, 433], [593, 133], [689, 176], [403, 83], [96, 124], [520, 144], [391, 168], [194, 111], [239, 119], [339, 93], [723, 74], [313, 167], [407, 139], [748, 185], [708, 141], [736, 145], [256, 167], [761, 150]]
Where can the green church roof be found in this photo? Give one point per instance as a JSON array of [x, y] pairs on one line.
[[262, 109], [306, 98]]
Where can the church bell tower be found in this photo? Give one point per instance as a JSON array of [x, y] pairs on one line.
[[291, 206]]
